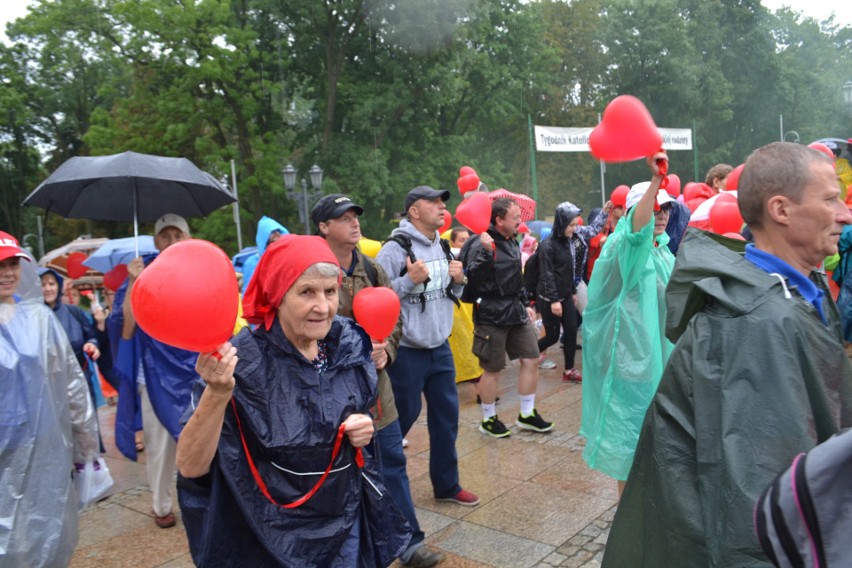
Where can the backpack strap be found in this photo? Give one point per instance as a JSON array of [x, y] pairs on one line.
[[405, 243], [369, 268], [449, 254]]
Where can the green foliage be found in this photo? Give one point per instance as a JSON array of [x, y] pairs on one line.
[[385, 96]]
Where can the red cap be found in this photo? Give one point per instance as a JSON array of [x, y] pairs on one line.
[[9, 247]]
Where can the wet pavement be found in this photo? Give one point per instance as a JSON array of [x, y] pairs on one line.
[[540, 505]]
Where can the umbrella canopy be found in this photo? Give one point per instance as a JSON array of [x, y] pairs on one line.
[[526, 203], [57, 259], [129, 187], [119, 251], [537, 226]]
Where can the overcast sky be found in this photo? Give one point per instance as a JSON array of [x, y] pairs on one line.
[[818, 9]]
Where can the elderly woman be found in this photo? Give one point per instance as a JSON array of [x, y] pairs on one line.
[[47, 423], [272, 460], [624, 328]]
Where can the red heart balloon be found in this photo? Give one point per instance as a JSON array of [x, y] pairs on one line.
[[673, 188], [188, 296], [469, 182], [726, 197], [466, 170], [820, 147], [74, 265], [733, 179], [376, 309], [626, 133], [619, 196], [448, 221], [475, 213], [115, 277], [726, 218]]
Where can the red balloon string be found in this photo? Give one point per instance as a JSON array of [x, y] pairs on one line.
[[359, 460]]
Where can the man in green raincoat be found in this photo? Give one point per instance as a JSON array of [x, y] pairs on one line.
[[758, 374]]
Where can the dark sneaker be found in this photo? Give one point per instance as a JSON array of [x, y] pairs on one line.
[[534, 422], [494, 428], [463, 497], [572, 376], [423, 557]]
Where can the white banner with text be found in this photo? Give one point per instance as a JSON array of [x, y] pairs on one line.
[[559, 139]]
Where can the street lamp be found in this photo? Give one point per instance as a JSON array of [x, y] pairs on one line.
[[303, 198], [846, 90], [795, 136]]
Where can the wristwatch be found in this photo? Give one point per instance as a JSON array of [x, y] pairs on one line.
[[464, 281]]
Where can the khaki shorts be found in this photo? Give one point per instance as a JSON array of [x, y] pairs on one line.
[[491, 344]]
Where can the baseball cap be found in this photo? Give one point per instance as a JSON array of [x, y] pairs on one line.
[[171, 220], [9, 247], [333, 206], [637, 191], [425, 192]]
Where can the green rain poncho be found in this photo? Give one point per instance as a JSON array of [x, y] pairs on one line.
[[624, 345], [755, 379]]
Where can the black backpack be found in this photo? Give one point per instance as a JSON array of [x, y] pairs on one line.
[[531, 273], [804, 518], [405, 242]]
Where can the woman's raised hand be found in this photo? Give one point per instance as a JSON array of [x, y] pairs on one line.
[[217, 368]]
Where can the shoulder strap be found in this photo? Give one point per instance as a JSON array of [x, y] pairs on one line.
[[404, 242], [370, 269], [445, 244]]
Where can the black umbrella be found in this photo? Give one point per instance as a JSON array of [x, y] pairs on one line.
[[129, 187]]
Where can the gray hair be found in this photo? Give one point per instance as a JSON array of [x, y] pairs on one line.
[[779, 168], [323, 269]]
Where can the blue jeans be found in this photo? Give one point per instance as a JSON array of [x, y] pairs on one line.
[[392, 467], [432, 373]]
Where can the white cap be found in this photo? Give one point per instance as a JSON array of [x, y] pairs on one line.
[[171, 220], [637, 191]]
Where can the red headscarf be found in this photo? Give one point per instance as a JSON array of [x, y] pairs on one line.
[[283, 262]]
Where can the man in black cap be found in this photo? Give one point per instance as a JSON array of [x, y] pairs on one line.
[[336, 219], [427, 280]]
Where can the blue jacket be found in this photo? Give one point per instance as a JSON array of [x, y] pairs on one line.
[[265, 227], [169, 376], [289, 414]]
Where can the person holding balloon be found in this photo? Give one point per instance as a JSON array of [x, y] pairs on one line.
[[624, 343], [157, 376], [47, 421], [273, 463]]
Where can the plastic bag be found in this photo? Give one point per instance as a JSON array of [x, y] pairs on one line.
[[92, 482]]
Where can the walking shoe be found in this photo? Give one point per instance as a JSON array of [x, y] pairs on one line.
[[423, 557], [534, 422], [494, 428], [166, 521], [545, 363], [463, 497], [573, 375]]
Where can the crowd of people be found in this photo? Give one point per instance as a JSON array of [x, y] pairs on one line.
[[707, 364]]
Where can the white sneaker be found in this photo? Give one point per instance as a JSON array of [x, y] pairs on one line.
[[545, 363]]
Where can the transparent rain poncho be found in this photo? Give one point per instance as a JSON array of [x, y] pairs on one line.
[[624, 344], [47, 424]]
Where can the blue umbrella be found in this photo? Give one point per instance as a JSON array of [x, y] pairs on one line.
[[119, 251], [537, 226]]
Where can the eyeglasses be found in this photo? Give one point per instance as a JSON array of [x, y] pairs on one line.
[[664, 208]]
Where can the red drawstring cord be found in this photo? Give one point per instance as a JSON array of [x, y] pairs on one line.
[[359, 460], [663, 166]]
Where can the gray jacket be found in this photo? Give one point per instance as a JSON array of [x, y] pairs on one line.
[[422, 328]]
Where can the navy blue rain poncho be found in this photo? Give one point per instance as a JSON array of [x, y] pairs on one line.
[[289, 414]]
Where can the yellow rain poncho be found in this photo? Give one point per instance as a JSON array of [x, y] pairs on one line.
[[624, 343]]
